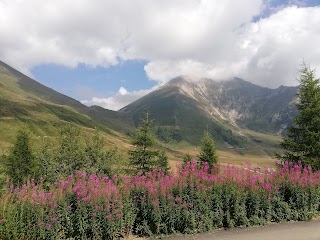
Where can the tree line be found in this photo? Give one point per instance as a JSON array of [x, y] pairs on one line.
[[53, 161], [301, 144]]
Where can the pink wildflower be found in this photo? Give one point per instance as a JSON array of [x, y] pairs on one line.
[[48, 226]]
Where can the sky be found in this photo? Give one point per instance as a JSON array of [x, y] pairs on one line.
[[112, 52]]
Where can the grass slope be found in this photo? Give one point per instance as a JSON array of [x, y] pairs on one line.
[[24, 102]]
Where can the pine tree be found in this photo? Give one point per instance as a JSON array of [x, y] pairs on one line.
[[144, 158], [20, 163], [207, 149], [302, 142]]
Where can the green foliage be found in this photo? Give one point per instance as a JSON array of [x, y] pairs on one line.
[[70, 153], [162, 162], [186, 158], [20, 163], [97, 158], [144, 158], [208, 150], [168, 134], [303, 140], [46, 162], [97, 207]]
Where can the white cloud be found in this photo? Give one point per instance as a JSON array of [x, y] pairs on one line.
[[204, 38], [267, 52], [98, 32], [119, 100], [162, 71], [279, 43]]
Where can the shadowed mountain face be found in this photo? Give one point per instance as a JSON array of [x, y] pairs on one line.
[[184, 109]]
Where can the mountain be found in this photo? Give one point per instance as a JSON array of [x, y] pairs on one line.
[[235, 111], [239, 114], [24, 101]]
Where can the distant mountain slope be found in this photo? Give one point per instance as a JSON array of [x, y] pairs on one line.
[[25, 101], [239, 114], [184, 108]]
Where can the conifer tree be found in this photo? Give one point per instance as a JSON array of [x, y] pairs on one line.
[[208, 149], [144, 158], [302, 142], [20, 163]]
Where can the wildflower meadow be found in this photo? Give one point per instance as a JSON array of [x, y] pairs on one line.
[[191, 199]]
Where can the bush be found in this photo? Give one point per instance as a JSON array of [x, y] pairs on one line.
[[191, 200]]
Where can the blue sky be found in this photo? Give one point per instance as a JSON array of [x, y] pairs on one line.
[[111, 53], [84, 82]]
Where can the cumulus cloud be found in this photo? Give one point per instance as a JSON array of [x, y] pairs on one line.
[[105, 32], [204, 38], [119, 100], [266, 52], [279, 43]]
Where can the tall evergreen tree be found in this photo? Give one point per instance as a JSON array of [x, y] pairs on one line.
[[208, 149], [144, 158], [20, 163], [302, 142]]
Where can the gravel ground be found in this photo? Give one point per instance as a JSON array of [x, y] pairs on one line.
[[284, 231]]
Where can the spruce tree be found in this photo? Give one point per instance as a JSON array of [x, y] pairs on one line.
[[208, 149], [20, 163], [302, 142], [144, 158]]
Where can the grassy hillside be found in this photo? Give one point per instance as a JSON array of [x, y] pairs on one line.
[[26, 103]]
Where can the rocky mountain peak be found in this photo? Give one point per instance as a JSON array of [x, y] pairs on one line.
[[236, 103]]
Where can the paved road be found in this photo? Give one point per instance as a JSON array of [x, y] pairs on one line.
[[284, 231]]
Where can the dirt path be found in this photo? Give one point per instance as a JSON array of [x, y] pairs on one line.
[[284, 231]]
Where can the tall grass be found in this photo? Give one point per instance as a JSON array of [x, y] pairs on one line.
[[193, 199]]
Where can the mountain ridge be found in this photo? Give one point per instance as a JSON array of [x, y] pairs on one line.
[[228, 106], [234, 111], [27, 103], [108, 118]]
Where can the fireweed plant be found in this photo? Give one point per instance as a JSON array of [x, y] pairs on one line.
[[192, 199]]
